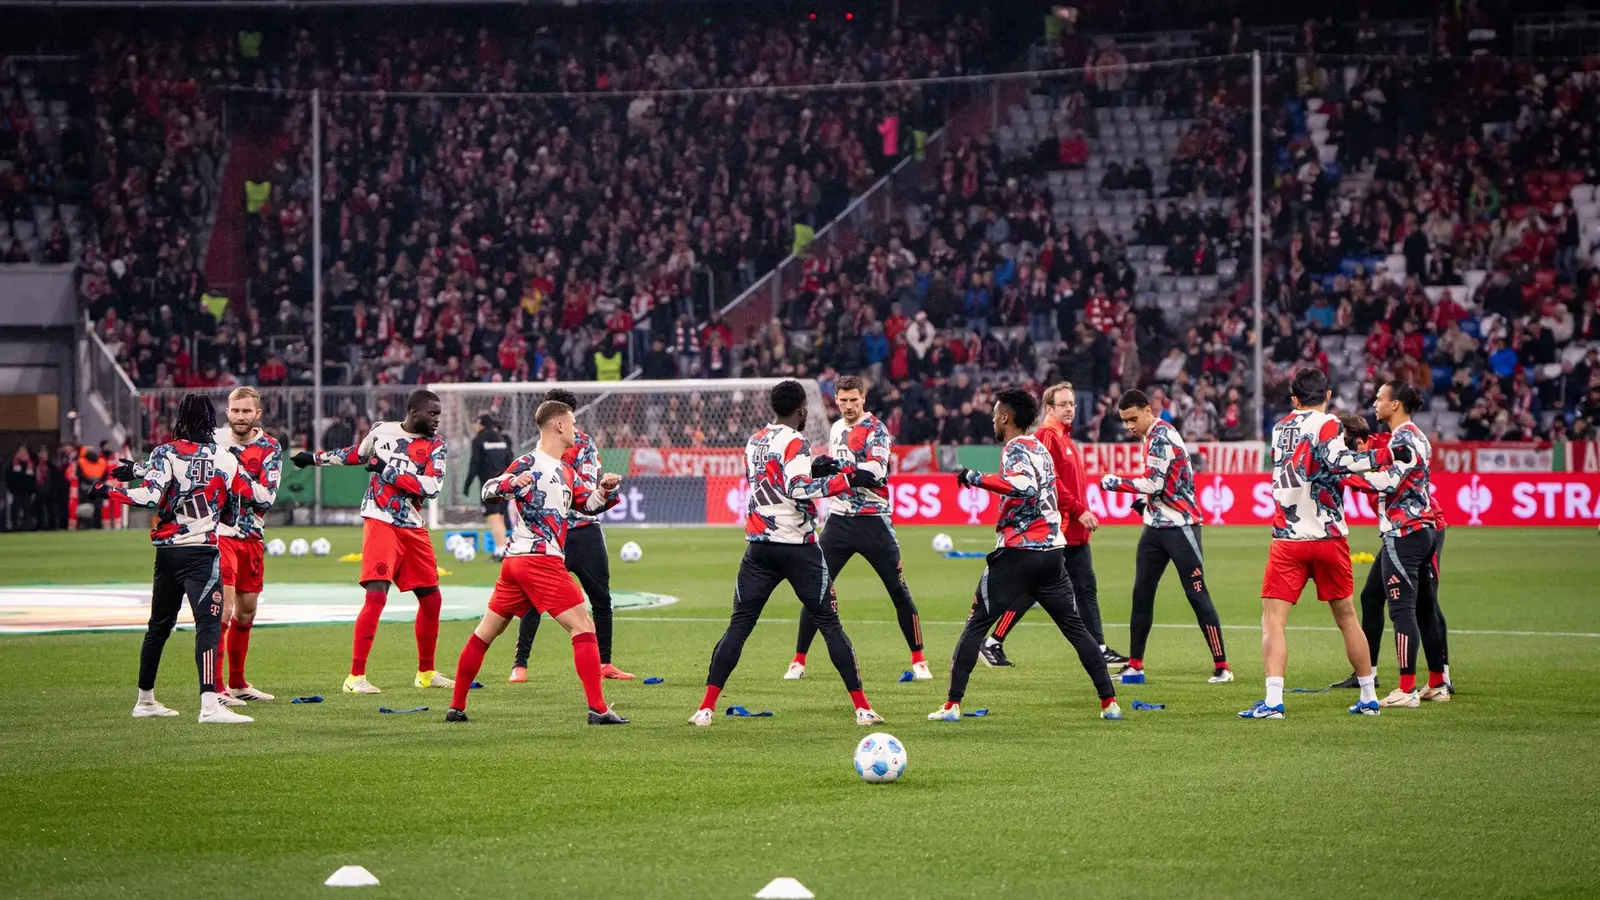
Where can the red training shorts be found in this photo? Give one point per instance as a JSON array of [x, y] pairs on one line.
[[243, 564], [533, 583], [401, 556], [1290, 563]]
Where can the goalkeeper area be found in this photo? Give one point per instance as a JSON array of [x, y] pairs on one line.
[[1485, 796]]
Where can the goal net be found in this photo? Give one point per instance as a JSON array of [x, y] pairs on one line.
[[679, 444]]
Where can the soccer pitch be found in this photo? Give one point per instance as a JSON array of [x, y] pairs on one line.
[[1485, 796]]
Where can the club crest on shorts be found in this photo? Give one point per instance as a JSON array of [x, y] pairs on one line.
[[381, 568]]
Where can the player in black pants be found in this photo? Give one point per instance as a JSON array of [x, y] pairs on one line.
[[587, 558], [859, 522], [781, 532], [1028, 561], [192, 484], [1171, 534]]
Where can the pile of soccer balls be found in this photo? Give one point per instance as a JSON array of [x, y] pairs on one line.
[[463, 548], [299, 547]]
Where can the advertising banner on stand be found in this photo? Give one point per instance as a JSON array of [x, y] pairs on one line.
[[1543, 499], [1490, 458]]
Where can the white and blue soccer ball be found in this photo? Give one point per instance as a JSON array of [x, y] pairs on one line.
[[299, 547], [880, 758], [632, 552], [454, 541], [321, 547], [943, 543], [465, 552], [275, 547]]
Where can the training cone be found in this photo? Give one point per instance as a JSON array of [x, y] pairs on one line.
[[785, 889], [357, 876]]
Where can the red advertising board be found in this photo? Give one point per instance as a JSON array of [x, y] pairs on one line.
[[700, 461], [915, 458], [1235, 458], [1532, 499]]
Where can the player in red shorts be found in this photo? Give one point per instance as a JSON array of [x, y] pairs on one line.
[[407, 464], [1309, 456], [242, 551], [533, 578]]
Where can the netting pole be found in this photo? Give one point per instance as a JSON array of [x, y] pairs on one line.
[[316, 299], [1255, 232]]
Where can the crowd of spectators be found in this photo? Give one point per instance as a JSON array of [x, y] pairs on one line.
[[1425, 219]]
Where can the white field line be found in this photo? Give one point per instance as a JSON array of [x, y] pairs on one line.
[[621, 614]]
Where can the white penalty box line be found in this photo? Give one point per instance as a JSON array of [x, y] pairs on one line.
[[1254, 628]]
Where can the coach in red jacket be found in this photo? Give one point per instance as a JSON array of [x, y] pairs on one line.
[[1060, 406]]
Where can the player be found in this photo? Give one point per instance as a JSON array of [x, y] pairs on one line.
[[586, 555], [1027, 559], [240, 545], [1078, 522], [1372, 593], [193, 485], [407, 461], [533, 578], [1171, 534], [780, 528], [1309, 455], [859, 522], [491, 453]]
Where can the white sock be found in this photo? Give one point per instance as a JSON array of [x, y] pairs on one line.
[[147, 696], [990, 642], [1446, 672], [1102, 648], [209, 702], [1369, 693], [1274, 691]]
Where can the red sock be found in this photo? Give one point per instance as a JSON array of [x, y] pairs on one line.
[[467, 669], [917, 657], [222, 646], [859, 698], [1223, 664], [366, 630], [1408, 683], [950, 704], [800, 658], [1136, 663], [1435, 679], [712, 693], [586, 659], [238, 649], [427, 627], [1107, 701]]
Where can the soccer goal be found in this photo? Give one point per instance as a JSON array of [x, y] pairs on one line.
[[673, 434]]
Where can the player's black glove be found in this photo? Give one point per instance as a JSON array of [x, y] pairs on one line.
[[123, 471], [860, 478], [825, 467], [375, 464], [303, 459], [1139, 505], [968, 477], [1402, 453], [99, 491]]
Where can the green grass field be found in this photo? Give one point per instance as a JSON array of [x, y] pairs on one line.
[[1492, 795]]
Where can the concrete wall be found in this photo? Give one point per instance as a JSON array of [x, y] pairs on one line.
[[38, 312]]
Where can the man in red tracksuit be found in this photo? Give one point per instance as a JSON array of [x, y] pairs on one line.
[[1060, 405]]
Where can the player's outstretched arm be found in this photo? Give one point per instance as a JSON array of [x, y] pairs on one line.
[[504, 485], [154, 483], [1157, 462], [1017, 477], [1336, 456], [596, 496], [797, 481]]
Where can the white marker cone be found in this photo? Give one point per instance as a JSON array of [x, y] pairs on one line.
[[352, 876], [785, 889]]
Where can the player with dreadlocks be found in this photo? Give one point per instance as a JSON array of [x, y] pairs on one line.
[[194, 486]]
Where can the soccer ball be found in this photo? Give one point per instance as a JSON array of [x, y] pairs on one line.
[[299, 547], [454, 541], [942, 543], [631, 552], [880, 758], [321, 547], [275, 547], [465, 552]]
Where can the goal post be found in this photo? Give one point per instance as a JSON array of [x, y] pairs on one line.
[[670, 440]]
